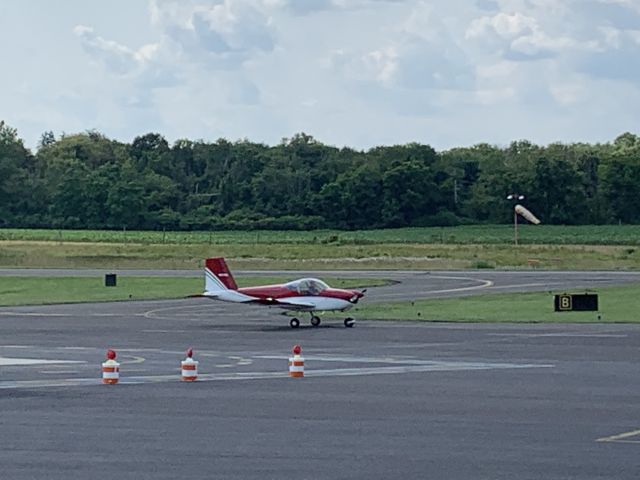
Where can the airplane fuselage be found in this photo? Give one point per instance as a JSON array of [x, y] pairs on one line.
[[329, 299]]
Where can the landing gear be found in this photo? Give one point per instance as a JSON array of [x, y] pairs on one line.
[[294, 322], [349, 322], [315, 321]]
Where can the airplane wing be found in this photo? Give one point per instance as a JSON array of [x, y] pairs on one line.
[[237, 297], [290, 303]]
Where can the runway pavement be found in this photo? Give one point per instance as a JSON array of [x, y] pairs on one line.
[[381, 400]]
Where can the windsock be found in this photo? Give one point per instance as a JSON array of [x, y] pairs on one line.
[[520, 210]]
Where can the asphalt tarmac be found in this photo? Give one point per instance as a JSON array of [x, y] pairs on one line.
[[381, 400]]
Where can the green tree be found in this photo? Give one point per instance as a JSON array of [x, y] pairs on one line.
[[16, 163]]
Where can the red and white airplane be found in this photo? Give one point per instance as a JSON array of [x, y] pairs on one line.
[[306, 294]]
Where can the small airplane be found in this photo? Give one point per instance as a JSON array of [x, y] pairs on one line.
[[305, 294]]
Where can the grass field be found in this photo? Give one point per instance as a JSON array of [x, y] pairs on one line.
[[617, 305], [467, 234], [50, 290], [610, 247], [25, 254]]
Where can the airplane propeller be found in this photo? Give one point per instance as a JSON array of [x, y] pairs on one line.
[[357, 296]]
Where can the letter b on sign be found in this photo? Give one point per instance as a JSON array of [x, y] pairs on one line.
[[565, 302]]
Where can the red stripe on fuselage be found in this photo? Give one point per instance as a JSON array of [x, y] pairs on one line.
[[279, 291]]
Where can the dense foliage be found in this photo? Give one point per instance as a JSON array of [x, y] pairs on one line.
[[90, 181]]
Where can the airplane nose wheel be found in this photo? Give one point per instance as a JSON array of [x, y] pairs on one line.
[[315, 321], [349, 322], [294, 322]]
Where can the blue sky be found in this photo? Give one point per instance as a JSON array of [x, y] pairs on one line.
[[349, 72]]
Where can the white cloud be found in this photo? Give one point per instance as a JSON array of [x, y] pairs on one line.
[[504, 25], [519, 37], [569, 93], [419, 54], [383, 64], [356, 72], [218, 34], [118, 58]]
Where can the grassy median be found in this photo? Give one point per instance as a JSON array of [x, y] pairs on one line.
[[616, 304], [51, 290]]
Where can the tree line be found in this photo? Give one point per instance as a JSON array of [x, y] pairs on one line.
[[90, 181]]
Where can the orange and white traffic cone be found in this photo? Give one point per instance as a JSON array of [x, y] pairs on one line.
[[296, 363], [110, 369], [189, 368]]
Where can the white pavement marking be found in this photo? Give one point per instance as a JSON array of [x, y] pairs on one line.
[[483, 284], [134, 359], [6, 361], [157, 313], [241, 360], [339, 372], [163, 331], [345, 359], [522, 285], [58, 372], [44, 314], [436, 367], [578, 335], [32, 314], [621, 438]]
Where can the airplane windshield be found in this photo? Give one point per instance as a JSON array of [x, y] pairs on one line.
[[307, 286]]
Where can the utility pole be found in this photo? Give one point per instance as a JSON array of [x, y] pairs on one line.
[[455, 191]]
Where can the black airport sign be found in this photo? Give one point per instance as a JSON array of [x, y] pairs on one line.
[[582, 302]]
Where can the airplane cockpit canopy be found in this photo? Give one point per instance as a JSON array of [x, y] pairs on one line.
[[307, 286]]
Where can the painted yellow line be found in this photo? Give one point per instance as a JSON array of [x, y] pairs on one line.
[[621, 437]]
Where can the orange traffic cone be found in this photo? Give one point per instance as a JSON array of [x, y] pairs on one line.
[[296, 363], [110, 369]]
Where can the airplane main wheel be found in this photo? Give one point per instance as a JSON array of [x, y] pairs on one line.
[[349, 322], [294, 322], [315, 321]]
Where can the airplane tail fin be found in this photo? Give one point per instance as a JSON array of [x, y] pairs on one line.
[[217, 276]]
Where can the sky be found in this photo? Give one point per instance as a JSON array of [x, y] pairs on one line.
[[358, 73]]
